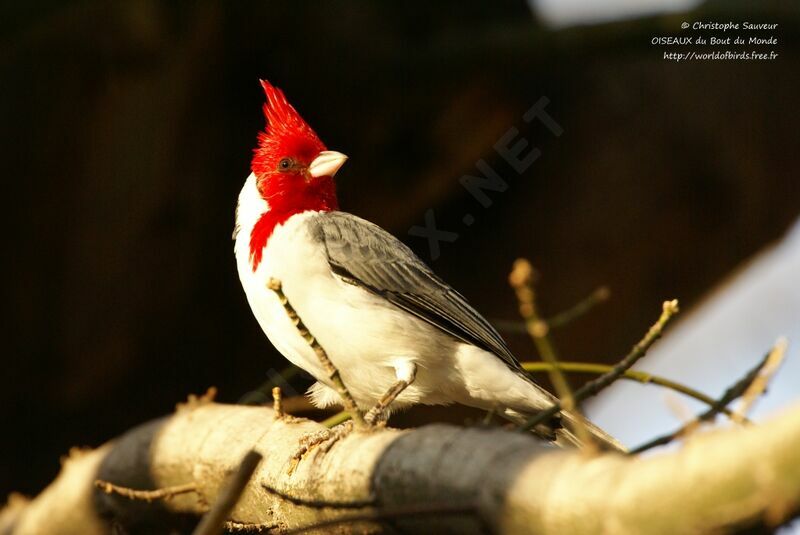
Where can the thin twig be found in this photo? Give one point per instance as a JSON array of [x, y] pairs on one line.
[[600, 295], [145, 495], [213, 522], [320, 504], [521, 280], [759, 386], [333, 373], [597, 297], [249, 527], [509, 326], [336, 419], [669, 309], [277, 402], [733, 392], [194, 400], [426, 509], [258, 396], [631, 375]]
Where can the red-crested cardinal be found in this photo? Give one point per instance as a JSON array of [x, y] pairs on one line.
[[386, 321]]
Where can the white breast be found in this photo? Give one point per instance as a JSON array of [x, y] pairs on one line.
[[289, 257]]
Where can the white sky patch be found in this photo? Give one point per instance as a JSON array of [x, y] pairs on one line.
[[714, 344], [560, 13]]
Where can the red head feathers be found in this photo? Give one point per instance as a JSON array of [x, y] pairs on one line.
[[294, 172], [286, 134], [283, 160]]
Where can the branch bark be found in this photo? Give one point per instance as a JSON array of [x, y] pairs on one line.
[[480, 478]]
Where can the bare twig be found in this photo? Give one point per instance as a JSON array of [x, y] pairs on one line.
[[320, 504], [426, 509], [259, 395], [598, 296], [733, 392], [509, 326], [249, 527], [277, 402], [333, 373], [213, 522], [759, 385], [679, 409], [521, 280], [193, 400], [631, 375], [145, 495], [669, 309]]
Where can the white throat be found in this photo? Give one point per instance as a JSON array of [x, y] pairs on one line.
[[250, 208]]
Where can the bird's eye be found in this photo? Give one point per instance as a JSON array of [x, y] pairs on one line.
[[285, 163]]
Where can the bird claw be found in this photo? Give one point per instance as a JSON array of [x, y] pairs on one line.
[[323, 440], [376, 417]]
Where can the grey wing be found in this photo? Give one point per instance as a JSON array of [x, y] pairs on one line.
[[377, 261]]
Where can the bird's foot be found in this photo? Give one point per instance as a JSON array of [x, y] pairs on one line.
[[379, 414], [376, 417], [322, 440]]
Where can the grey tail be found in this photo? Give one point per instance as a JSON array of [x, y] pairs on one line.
[[562, 431]]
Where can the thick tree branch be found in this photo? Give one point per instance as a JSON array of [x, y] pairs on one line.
[[514, 483]]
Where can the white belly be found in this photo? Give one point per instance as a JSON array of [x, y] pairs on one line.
[[363, 334]]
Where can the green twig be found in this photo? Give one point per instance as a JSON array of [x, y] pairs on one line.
[[595, 369], [336, 419], [631, 375]]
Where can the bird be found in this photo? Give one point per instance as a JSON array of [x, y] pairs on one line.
[[396, 332]]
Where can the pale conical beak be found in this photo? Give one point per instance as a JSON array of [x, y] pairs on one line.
[[326, 163]]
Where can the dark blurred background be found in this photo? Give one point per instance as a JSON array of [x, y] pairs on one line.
[[127, 133]]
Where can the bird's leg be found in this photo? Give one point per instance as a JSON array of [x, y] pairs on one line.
[[376, 414], [406, 372]]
